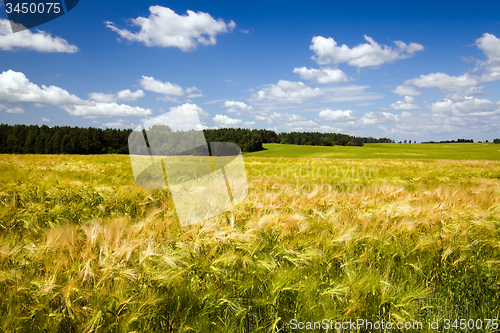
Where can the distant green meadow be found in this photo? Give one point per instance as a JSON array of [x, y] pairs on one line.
[[448, 151]]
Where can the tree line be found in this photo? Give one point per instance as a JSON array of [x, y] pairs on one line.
[[326, 139], [34, 139], [453, 141]]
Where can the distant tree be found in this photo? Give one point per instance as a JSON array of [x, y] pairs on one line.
[[56, 144], [496, 141], [40, 140], [67, 145], [33, 139], [29, 145]]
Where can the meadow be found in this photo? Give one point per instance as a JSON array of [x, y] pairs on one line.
[[83, 249], [448, 151]]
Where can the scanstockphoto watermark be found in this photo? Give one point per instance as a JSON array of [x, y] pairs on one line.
[[27, 14], [309, 170], [309, 178], [301, 188], [204, 180], [355, 325]]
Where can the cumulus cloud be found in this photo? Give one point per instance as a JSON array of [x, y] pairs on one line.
[[95, 109], [408, 104], [335, 114], [287, 121], [165, 28], [128, 95], [193, 92], [102, 98], [288, 92], [444, 82], [490, 45], [114, 124], [370, 118], [471, 106], [183, 117], [407, 90], [363, 55], [165, 88], [324, 75], [472, 117], [16, 88], [15, 110], [462, 85], [40, 41], [279, 117], [223, 120], [237, 107], [125, 95], [45, 120], [297, 92]]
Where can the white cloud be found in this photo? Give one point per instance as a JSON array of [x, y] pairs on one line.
[[408, 104], [287, 121], [407, 90], [225, 121], [96, 109], [444, 82], [165, 28], [15, 110], [16, 88], [370, 118], [125, 95], [278, 117], [335, 114], [297, 92], [288, 92], [114, 124], [166, 88], [471, 106], [324, 75], [349, 93], [183, 117], [45, 120], [363, 55], [193, 92], [40, 41], [237, 107], [490, 45], [102, 98]]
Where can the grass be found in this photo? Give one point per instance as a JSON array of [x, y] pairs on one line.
[[450, 151], [83, 249]]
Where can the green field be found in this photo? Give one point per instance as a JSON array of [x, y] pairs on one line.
[[452, 151], [83, 249]]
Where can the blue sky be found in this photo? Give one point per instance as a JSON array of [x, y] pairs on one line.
[[406, 70]]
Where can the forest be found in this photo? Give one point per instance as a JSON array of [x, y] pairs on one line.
[[34, 139], [453, 141]]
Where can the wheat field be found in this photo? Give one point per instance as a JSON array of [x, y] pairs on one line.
[[83, 249]]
